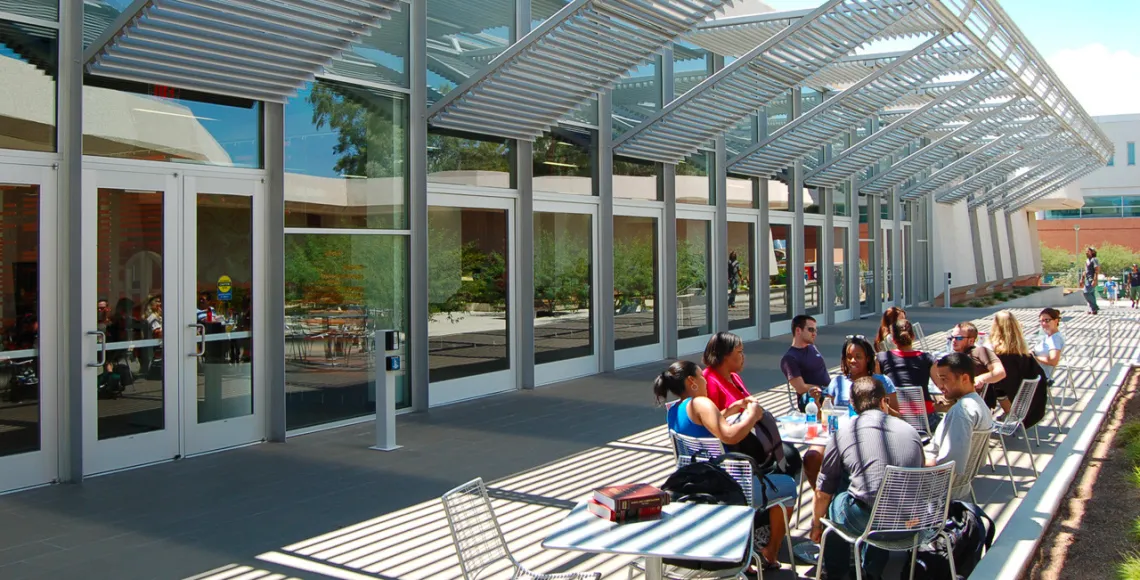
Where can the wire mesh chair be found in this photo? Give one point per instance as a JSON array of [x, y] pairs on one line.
[[479, 541], [688, 447], [964, 478], [910, 511], [912, 409], [793, 397], [919, 334], [1013, 421]]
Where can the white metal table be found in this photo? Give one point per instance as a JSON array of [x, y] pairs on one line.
[[690, 531]]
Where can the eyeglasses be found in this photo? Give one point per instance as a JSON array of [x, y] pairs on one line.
[[1047, 320], [859, 336], [958, 338], [811, 329]]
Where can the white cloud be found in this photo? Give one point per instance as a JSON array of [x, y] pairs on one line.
[[1104, 81]]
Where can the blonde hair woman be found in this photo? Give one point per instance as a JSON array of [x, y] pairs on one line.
[[1008, 341]]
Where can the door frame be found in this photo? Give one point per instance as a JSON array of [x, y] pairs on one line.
[[42, 466], [694, 344], [816, 221], [629, 357], [218, 434], [749, 216], [886, 254], [481, 385], [784, 326], [180, 437], [552, 372]]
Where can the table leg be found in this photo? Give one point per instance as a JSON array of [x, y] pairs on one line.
[[654, 568]]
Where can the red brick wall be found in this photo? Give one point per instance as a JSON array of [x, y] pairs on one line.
[[1094, 232]]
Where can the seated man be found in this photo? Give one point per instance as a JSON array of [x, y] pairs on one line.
[[803, 364], [987, 366], [951, 440], [854, 465]]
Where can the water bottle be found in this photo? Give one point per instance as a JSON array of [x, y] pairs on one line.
[[812, 411], [831, 416]]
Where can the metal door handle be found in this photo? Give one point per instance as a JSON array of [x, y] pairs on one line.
[[200, 330], [101, 340]]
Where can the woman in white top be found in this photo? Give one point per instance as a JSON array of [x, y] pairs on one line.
[[1048, 348]]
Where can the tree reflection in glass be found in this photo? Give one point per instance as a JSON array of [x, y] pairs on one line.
[[635, 282], [563, 286]]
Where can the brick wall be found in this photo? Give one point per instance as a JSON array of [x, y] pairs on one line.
[[1094, 232]]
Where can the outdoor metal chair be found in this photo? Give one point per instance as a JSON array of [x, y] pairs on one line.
[[909, 512], [687, 448], [1013, 421], [919, 334], [479, 541], [964, 477], [912, 409]]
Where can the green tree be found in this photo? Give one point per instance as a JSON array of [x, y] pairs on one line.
[[692, 267], [370, 129], [633, 269], [1057, 260], [561, 270]]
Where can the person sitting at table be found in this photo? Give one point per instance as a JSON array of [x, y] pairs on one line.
[[724, 360], [1048, 348], [951, 441], [854, 466], [883, 340], [909, 367], [1009, 344], [988, 368], [803, 365], [696, 415], [857, 360]]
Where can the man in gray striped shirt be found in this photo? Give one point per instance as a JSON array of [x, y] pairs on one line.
[[854, 465]]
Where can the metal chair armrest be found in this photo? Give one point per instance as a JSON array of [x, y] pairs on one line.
[[836, 529]]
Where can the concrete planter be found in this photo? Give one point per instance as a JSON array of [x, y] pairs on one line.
[[1054, 296]]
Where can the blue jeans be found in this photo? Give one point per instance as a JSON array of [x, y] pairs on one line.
[[851, 516], [1090, 297], [785, 487]]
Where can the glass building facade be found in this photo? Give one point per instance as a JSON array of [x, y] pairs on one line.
[[240, 259]]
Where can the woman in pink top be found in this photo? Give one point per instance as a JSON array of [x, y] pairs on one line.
[[724, 359]]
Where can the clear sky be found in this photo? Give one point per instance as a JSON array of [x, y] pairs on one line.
[[1092, 45]]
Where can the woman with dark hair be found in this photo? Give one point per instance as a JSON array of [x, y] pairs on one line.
[[1048, 348], [857, 360], [883, 339], [696, 416], [724, 359], [906, 366]]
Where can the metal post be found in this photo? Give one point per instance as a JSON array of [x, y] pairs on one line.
[[274, 307], [417, 331], [387, 363], [946, 294]]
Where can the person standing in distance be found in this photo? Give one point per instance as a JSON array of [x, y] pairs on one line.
[[1089, 277]]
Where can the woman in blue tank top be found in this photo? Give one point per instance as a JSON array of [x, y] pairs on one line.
[[696, 415]]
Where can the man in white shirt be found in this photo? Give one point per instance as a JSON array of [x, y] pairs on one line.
[[951, 440]]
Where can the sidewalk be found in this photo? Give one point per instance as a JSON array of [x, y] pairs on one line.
[[325, 506]]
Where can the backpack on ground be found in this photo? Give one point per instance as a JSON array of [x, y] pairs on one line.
[[706, 482], [971, 534]]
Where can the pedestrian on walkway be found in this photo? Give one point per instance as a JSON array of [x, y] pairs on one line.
[[1133, 281], [1089, 277]]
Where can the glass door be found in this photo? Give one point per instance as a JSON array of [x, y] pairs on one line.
[[27, 381], [565, 325], [130, 403], [169, 279], [743, 266], [637, 261], [220, 297], [888, 257], [470, 296]]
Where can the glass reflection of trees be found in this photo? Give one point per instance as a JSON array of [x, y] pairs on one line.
[[563, 286], [635, 282]]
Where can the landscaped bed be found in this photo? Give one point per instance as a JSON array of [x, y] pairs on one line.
[[998, 297], [1096, 532]]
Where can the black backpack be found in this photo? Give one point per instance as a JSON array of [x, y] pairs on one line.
[[706, 482], [971, 533]]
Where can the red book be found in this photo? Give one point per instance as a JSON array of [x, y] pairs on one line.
[[622, 516], [620, 498]]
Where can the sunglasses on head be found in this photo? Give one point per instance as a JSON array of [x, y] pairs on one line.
[[859, 336]]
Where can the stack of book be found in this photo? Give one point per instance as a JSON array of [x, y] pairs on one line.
[[627, 503]]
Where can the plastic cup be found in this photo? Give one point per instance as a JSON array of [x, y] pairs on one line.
[[812, 430]]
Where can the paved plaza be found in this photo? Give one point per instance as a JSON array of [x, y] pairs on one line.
[[325, 506]]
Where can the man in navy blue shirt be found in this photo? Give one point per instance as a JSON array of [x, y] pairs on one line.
[[803, 365]]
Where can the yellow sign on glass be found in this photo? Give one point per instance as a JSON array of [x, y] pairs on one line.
[[225, 288]]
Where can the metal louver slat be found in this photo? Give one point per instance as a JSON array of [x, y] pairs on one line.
[[1001, 119], [851, 107], [915, 124], [1030, 155], [263, 50], [1076, 172], [584, 48], [1047, 177], [974, 159], [767, 70], [1036, 175]]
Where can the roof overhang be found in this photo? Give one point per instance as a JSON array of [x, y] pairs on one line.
[[264, 50]]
